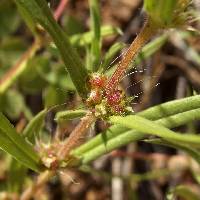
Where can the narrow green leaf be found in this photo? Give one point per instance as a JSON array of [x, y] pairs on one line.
[[117, 136], [69, 115], [84, 39], [172, 107], [27, 18], [106, 146], [96, 36], [12, 143], [180, 119], [33, 128], [148, 127], [40, 12], [187, 109]]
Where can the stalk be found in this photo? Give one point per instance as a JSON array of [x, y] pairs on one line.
[[146, 33], [76, 136]]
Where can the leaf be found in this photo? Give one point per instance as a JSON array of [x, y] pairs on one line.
[[27, 18], [40, 12], [172, 107], [117, 136], [180, 118], [12, 143], [69, 115], [96, 34], [86, 38], [148, 127], [178, 113], [34, 126], [106, 146]]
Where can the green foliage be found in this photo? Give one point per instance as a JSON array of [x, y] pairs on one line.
[[9, 18], [95, 54], [170, 115], [15, 145], [32, 130], [41, 14], [39, 73], [137, 123], [69, 114]]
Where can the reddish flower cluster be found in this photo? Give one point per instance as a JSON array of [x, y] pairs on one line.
[[103, 103], [96, 82]]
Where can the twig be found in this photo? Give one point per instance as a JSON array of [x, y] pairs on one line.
[[76, 136], [146, 33], [59, 10]]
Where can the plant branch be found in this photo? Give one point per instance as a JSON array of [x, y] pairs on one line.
[[76, 136], [146, 33], [60, 9]]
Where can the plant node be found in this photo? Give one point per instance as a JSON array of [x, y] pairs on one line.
[[104, 104]]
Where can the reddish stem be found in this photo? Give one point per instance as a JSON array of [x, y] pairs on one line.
[[60, 9], [76, 136], [146, 33]]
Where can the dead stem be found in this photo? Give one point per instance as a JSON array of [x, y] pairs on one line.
[[41, 180], [146, 33], [76, 136]]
